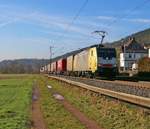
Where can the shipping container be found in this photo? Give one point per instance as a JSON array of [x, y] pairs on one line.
[[61, 65], [48, 68], [53, 66], [52, 69], [81, 61], [86, 60], [45, 68], [70, 61]]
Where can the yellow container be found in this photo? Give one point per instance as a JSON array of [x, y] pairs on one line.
[[86, 60], [70, 61]]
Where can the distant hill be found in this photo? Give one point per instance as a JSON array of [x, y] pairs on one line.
[[22, 65], [142, 37]]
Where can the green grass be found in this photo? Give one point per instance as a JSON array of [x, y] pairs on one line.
[[15, 106], [54, 113], [15, 100], [108, 113]]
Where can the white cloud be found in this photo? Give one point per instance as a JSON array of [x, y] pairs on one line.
[[111, 18], [83, 26], [140, 20], [46, 21], [57, 25], [106, 18], [5, 23], [2, 24]]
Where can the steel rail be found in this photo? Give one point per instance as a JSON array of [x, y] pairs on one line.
[[138, 100], [124, 87]]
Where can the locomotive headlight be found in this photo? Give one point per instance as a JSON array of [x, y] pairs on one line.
[[115, 65], [99, 65]]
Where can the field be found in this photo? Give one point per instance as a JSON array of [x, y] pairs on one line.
[[15, 100], [16, 106]]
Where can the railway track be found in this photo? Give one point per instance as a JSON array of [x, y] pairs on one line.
[[137, 93], [133, 88]]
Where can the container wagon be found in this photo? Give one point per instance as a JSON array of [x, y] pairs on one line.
[[70, 65], [45, 69], [54, 67], [91, 61], [48, 69], [61, 66]]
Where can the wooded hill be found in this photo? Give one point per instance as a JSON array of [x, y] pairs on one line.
[[142, 37], [22, 65]]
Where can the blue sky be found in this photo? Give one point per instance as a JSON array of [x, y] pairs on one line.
[[29, 27]]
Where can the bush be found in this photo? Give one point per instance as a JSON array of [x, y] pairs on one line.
[[144, 66]]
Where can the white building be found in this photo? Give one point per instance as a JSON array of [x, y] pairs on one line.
[[132, 51]]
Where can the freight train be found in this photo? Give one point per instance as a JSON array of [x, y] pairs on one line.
[[92, 61]]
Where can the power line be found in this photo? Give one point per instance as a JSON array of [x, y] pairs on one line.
[[51, 54], [78, 13], [137, 28], [75, 18], [129, 13], [138, 6], [124, 16], [114, 21]]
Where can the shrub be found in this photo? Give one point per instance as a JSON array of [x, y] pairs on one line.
[[144, 66]]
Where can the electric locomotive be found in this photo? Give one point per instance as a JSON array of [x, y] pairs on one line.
[[106, 61]]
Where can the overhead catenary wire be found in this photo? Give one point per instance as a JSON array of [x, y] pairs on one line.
[[74, 18], [115, 18], [110, 24], [137, 28], [129, 13], [77, 14]]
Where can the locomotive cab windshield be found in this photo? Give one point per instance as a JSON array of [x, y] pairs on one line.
[[106, 53]]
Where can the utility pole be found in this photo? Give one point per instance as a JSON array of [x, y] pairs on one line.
[[102, 34], [51, 54]]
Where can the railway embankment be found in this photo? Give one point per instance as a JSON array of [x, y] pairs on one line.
[[107, 112], [126, 91]]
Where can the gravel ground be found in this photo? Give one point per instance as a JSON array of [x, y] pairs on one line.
[[119, 87]]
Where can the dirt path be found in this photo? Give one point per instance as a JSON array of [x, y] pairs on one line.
[[37, 118], [90, 124]]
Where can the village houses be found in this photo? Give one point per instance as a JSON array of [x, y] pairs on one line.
[[132, 51]]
